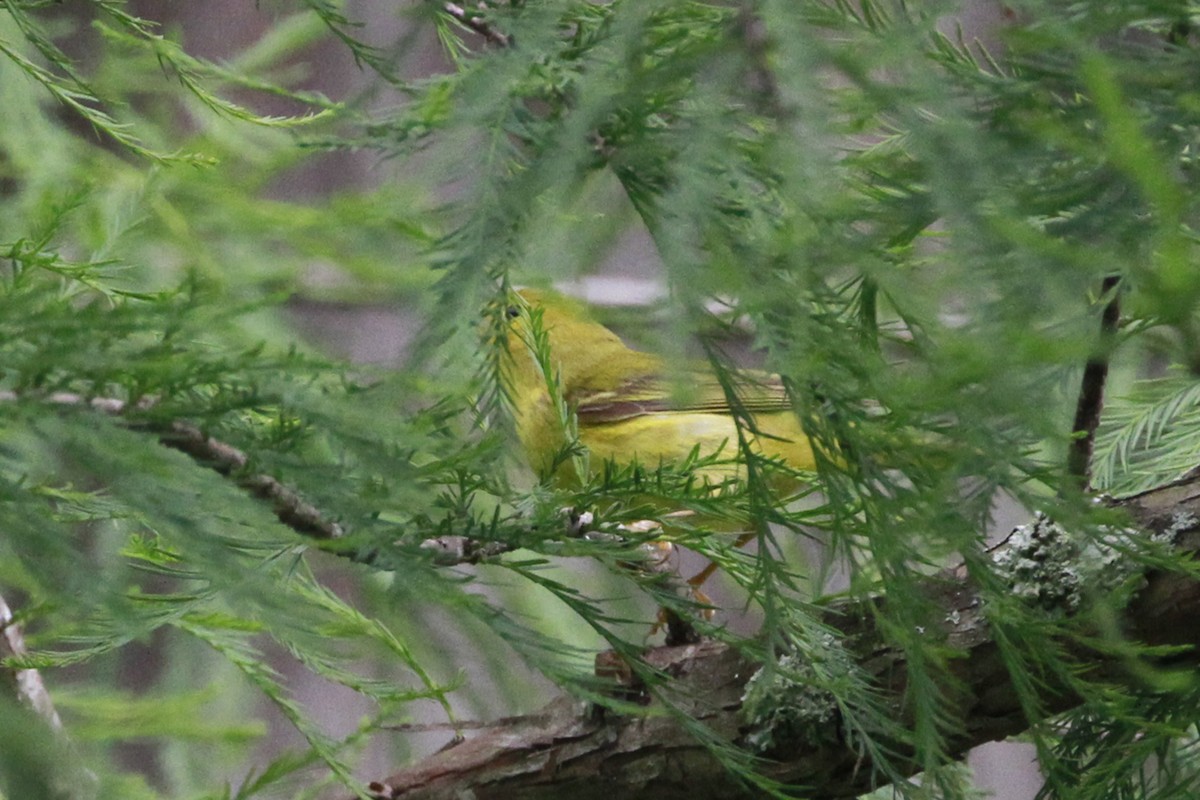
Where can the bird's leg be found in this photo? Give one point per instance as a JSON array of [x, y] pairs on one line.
[[578, 522], [679, 629], [701, 577], [657, 559]]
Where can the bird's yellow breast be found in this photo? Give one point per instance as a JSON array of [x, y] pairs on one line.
[[671, 436]]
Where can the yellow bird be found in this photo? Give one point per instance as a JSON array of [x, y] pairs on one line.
[[628, 408]]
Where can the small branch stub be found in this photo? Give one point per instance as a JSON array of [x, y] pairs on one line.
[[478, 24]]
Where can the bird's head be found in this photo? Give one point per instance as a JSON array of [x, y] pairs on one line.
[[547, 327]]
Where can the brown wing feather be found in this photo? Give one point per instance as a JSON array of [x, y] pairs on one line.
[[702, 393]]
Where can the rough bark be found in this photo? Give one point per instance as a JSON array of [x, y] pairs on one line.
[[569, 750]]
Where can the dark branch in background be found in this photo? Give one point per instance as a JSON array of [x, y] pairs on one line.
[[568, 750], [762, 83], [1091, 390], [478, 24]]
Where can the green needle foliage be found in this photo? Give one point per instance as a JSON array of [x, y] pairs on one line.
[[908, 226]]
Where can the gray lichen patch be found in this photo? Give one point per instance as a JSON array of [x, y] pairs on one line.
[[1181, 522], [786, 703], [1053, 569]]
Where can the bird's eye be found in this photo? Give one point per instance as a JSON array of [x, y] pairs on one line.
[[513, 312]]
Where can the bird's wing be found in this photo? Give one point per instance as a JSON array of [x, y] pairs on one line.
[[758, 392]]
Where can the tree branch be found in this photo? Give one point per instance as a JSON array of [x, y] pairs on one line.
[[565, 750]]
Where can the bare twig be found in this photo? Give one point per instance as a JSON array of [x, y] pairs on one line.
[[66, 777], [1091, 390], [478, 24], [291, 509], [451, 551], [25, 684]]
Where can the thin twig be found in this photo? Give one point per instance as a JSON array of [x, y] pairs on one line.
[[463, 725], [478, 24], [69, 779], [290, 508], [1091, 390], [26, 684], [453, 551]]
